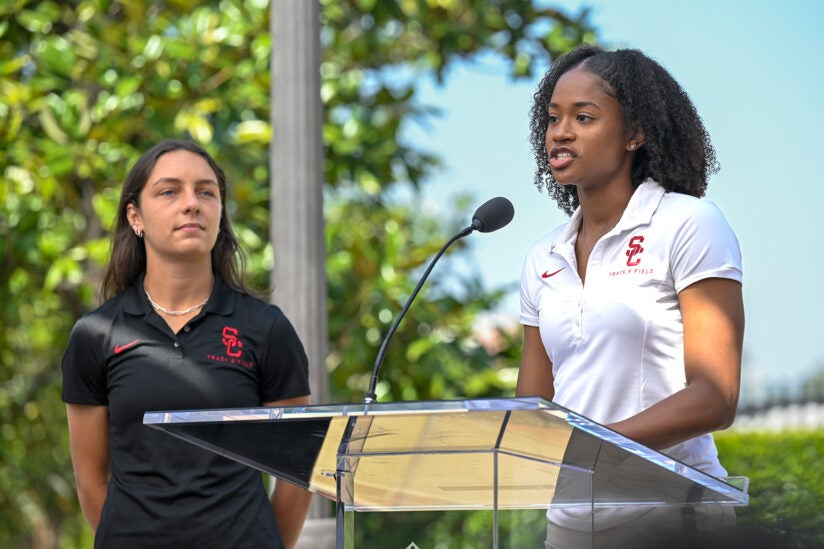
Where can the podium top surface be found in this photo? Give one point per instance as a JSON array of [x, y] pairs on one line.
[[521, 452]]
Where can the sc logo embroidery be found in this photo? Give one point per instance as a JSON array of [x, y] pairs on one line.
[[634, 250], [233, 343]]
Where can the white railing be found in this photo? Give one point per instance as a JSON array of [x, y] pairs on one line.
[[780, 417]]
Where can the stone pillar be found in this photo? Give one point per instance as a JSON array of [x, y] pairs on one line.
[[296, 168], [296, 175]]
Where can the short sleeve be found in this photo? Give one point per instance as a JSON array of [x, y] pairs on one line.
[[285, 368], [704, 246], [84, 374], [529, 311]]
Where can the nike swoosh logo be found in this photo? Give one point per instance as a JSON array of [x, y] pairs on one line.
[[120, 348], [548, 274]]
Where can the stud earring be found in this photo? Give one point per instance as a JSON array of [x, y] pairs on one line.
[[137, 231], [633, 145]]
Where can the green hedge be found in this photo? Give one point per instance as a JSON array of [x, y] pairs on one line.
[[786, 472]]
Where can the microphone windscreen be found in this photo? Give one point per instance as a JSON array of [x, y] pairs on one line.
[[493, 214]]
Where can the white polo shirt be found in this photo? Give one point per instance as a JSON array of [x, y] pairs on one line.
[[616, 344]]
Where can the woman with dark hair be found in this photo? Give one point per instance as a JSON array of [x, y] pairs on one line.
[[632, 310], [128, 259], [178, 330]]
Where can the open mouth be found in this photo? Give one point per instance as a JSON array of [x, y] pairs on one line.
[[561, 159]]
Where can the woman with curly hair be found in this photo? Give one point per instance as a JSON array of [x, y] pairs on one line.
[[632, 310]]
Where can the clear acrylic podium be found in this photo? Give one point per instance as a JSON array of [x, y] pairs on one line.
[[482, 454]]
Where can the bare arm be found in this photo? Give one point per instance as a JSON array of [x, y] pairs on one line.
[[89, 445], [713, 314], [289, 502], [535, 374]]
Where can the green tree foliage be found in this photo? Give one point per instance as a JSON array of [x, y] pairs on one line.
[[87, 85]]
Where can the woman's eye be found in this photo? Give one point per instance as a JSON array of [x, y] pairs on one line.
[[583, 117], [167, 192], [553, 119]]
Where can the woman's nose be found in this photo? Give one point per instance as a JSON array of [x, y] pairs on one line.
[[561, 131], [191, 201]]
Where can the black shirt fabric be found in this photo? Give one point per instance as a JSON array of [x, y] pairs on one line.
[[165, 492]]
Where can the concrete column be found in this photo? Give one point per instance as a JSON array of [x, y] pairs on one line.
[[296, 168], [296, 204]]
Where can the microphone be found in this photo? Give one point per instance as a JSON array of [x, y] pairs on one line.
[[492, 215]]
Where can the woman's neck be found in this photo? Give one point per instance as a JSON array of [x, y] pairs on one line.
[[601, 208], [177, 287]]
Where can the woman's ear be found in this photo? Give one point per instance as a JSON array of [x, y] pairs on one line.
[[132, 215], [636, 141]]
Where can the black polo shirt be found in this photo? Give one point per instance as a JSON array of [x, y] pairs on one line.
[[238, 352]]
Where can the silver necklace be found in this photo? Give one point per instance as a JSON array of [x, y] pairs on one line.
[[162, 309]]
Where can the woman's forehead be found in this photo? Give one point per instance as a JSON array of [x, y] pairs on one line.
[[579, 87]]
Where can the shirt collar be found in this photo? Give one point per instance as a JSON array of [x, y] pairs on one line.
[[134, 298], [642, 204], [221, 301]]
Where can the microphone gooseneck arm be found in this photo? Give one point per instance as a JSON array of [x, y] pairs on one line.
[[490, 216], [370, 394]]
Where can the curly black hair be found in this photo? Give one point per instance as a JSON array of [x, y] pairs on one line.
[[677, 151]]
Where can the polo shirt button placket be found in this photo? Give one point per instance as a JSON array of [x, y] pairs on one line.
[[579, 316], [579, 320]]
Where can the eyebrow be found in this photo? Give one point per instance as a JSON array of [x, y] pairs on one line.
[[177, 181], [578, 104]]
